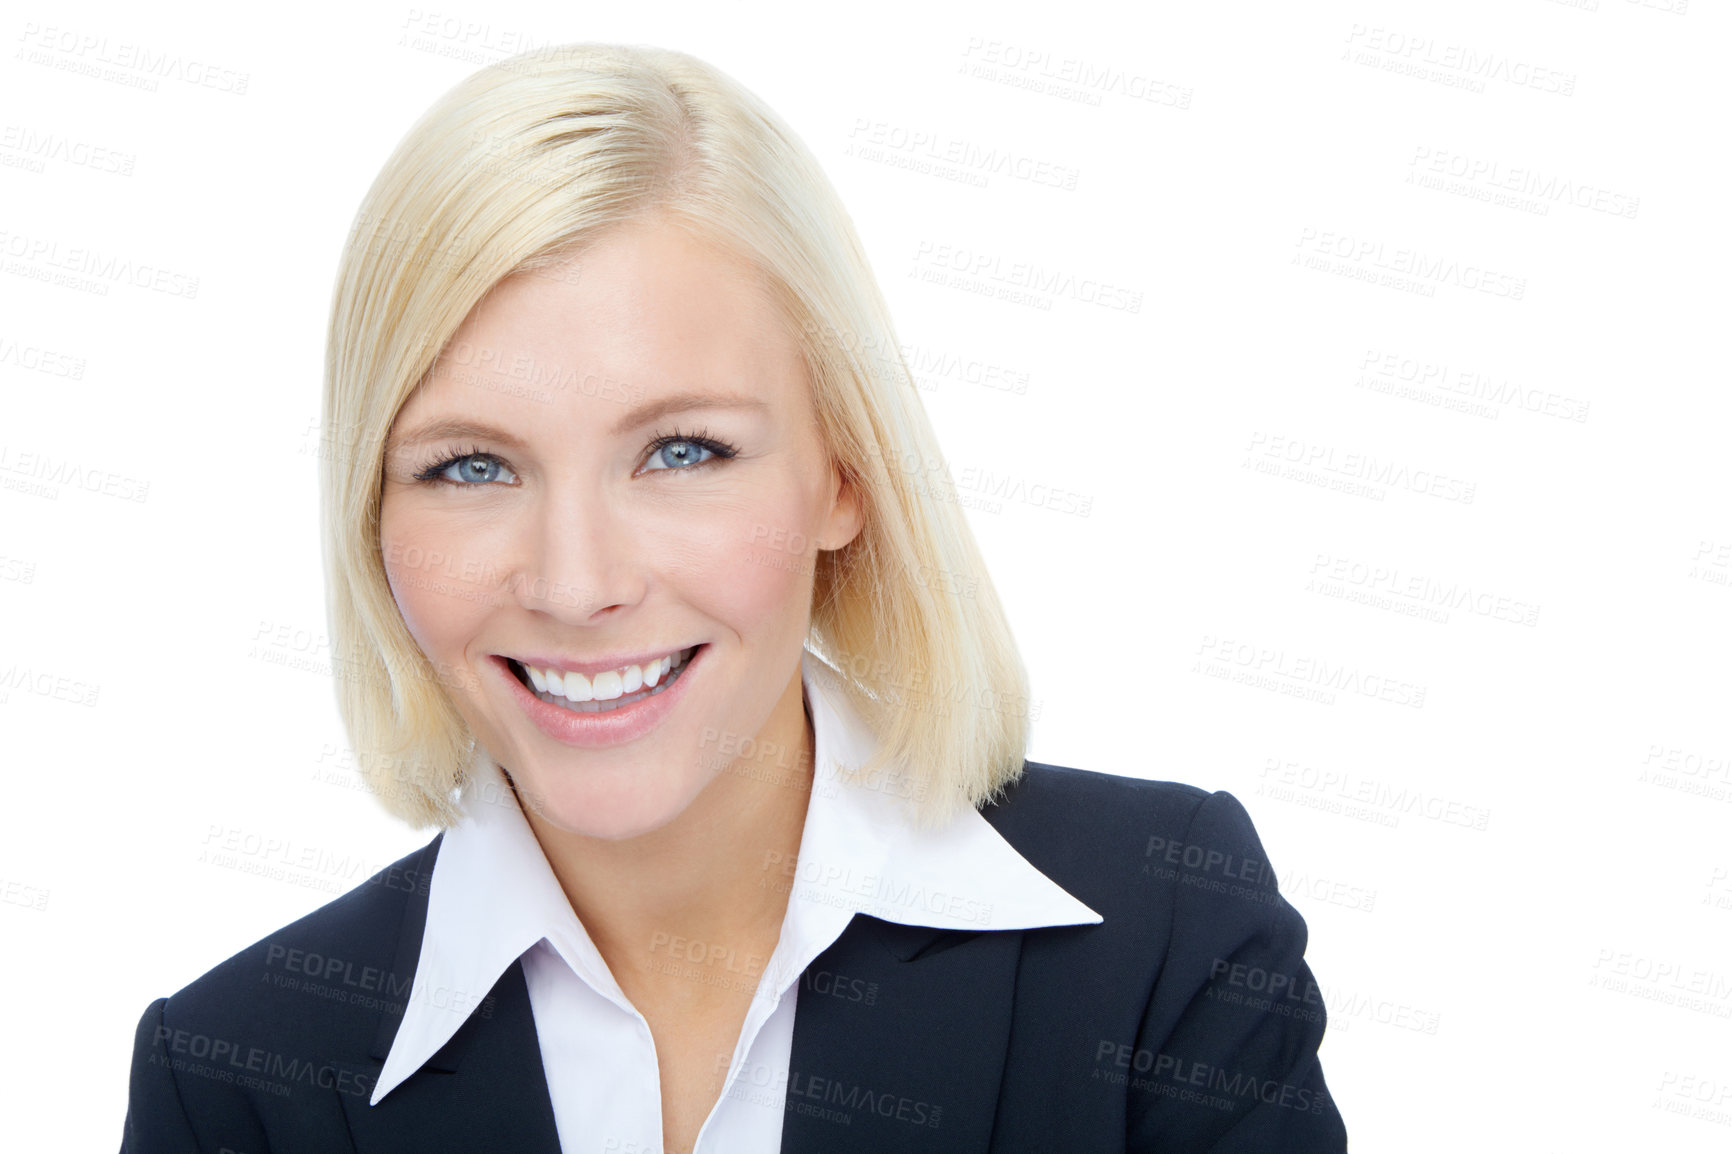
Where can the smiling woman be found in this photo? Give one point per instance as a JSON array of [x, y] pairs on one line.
[[647, 513], [738, 848]]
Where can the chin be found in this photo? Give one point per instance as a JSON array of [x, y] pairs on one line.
[[611, 815]]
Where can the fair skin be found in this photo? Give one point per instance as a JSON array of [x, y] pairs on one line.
[[565, 531]]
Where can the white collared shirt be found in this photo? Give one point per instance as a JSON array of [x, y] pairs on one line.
[[494, 899]]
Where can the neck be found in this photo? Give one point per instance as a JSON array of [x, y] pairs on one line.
[[702, 877]]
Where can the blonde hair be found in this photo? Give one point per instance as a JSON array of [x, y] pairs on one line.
[[515, 169]]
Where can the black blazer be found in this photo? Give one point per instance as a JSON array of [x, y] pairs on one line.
[[1186, 1021]]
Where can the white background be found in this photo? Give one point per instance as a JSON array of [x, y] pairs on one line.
[[1560, 977]]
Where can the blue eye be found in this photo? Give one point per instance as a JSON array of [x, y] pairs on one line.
[[474, 469], [679, 454], [468, 469]]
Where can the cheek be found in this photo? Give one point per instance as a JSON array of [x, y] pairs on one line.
[[746, 563], [424, 569]]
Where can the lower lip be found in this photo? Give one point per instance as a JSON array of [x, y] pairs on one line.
[[600, 730]]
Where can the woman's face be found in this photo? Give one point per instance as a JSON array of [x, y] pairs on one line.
[[615, 461]]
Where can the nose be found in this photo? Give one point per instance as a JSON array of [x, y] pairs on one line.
[[582, 559]]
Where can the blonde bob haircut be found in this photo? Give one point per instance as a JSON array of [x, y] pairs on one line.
[[515, 170]]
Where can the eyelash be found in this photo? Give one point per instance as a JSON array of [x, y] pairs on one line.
[[719, 450]]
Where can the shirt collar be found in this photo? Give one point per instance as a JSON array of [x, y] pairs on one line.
[[494, 896], [861, 847]]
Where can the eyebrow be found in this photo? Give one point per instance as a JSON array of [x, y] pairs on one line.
[[647, 413]]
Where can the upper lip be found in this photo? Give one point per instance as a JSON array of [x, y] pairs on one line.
[[590, 668]]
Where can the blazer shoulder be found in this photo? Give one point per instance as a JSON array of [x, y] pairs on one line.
[[250, 1051], [1083, 786], [1110, 839], [346, 955], [1055, 802]]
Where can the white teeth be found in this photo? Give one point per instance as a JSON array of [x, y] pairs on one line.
[[609, 685], [650, 688]]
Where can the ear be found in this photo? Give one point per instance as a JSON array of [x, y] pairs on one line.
[[845, 517]]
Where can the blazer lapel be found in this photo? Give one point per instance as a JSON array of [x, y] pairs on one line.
[[900, 1036], [484, 1089]]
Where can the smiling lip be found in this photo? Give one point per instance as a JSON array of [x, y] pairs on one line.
[[591, 668], [598, 730]]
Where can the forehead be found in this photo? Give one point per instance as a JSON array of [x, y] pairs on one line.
[[644, 312], [640, 293]]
